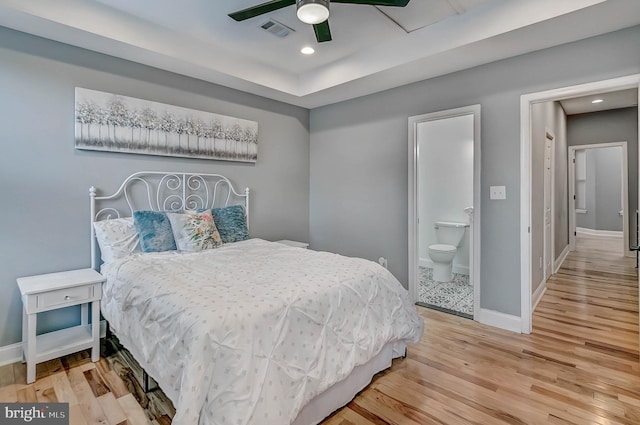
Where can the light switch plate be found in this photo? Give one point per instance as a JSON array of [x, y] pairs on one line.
[[498, 192]]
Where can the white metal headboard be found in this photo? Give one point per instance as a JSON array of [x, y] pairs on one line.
[[159, 191]]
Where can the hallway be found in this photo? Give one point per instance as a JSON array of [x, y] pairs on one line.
[[593, 301]]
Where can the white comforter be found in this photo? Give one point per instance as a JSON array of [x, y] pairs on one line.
[[248, 333]]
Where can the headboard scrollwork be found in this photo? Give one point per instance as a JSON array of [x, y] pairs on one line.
[[161, 191]]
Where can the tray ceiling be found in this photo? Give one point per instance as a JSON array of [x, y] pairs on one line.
[[373, 48]]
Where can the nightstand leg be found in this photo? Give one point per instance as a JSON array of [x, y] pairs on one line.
[[84, 314], [95, 330], [24, 335], [31, 348]]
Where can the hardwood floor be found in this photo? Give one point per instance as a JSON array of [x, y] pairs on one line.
[[95, 393], [580, 365]]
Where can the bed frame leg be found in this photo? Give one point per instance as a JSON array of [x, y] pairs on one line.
[[405, 353]]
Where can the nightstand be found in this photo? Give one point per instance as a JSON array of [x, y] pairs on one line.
[[295, 244], [53, 291]]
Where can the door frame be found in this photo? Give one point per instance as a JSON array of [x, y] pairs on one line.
[[626, 217], [413, 254], [526, 100]]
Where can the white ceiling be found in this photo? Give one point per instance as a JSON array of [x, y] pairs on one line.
[[373, 49], [610, 100]]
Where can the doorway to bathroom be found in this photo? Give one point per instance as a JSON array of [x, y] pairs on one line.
[[444, 210]]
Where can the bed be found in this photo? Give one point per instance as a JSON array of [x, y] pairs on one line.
[[244, 331]]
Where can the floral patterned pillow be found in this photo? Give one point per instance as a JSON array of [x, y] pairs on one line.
[[194, 231]]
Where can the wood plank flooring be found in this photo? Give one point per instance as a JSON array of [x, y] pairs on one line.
[[96, 395], [580, 365]]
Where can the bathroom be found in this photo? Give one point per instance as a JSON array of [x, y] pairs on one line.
[[445, 195]]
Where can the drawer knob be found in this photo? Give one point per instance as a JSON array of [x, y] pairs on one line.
[[67, 298]]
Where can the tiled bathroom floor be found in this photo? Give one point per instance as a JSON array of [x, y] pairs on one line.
[[454, 297]]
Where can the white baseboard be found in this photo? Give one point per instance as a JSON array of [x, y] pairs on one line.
[[460, 269], [499, 320], [10, 354], [563, 256], [537, 295], [606, 233], [426, 262], [13, 353]]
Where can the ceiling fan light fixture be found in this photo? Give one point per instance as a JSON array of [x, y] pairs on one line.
[[313, 11]]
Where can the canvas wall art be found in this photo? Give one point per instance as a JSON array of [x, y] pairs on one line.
[[116, 123]]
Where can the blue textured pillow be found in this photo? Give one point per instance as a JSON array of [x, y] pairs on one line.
[[154, 231], [231, 223]]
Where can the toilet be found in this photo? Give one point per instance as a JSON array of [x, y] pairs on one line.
[[449, 235]]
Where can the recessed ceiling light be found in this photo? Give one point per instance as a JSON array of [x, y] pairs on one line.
[[597, 101], [307, 50]]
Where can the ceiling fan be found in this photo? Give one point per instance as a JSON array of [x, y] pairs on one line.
[[314, 12]]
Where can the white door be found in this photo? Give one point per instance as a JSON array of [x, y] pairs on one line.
[[548, 146]]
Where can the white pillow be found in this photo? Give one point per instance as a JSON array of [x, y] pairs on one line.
[[117, 238], [194, 231]]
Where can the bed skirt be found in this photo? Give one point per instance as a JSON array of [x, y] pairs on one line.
[[341, 393], [324, 404]]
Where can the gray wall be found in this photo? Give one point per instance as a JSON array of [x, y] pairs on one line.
[[44, 181], [616, 125], [608, 188], [603, 190], [359, 151], [561, 181], [548, 115]]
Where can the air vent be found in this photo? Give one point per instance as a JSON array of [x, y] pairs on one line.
[[276, 28]]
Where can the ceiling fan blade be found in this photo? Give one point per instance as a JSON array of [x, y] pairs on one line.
[[323, 33], [398, 3], [261, 9]]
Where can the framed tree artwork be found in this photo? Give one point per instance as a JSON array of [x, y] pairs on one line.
[[116, 123]]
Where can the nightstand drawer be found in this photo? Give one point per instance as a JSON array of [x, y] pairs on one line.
[[71, 296]]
